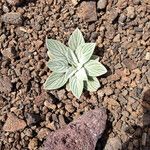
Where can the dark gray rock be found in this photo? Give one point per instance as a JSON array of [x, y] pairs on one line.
[[80, 134]]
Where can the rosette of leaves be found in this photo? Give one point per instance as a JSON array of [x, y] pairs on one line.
[[73, 65]]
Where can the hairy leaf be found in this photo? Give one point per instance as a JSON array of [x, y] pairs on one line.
[[75, 39], [71, 57], [58, 66], [92, 84], [55, 81], [67, 86], [81, 75], [70, 72], [85, 51], [57, 50], [95, 68], [76, 86]]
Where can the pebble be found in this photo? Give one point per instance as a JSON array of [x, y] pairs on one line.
[[136, 2], [130, 12], [12, 18], [101, 4], [117, 38], [33, 144], [75, 2], [9, 53], [144, 136], [147, 56], [33, 119], [129, 63], [43, 133], [87, 11], [69, 108], [5, 84], [14, 2], [108, 91], [13, 123], [122, 18], [113, 144], [50, 105]]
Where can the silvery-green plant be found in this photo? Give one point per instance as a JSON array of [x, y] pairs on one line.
[[74, 65]]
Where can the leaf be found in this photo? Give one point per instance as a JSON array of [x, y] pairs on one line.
[[70, 72], [92, 84], [95, 68], [71, 57], [76, 86], [85, 51], [75, 39], [67, 86], [95, 57], [81, 74], [55, 81], [58, 66], [56, 49]]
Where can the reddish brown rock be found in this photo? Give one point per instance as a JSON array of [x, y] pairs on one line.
[[14, 18], [87, 11], [85, 131], [39, 100], [129, 63], [5, 84], [13, 123]]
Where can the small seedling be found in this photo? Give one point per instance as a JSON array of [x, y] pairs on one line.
[[74, 66]]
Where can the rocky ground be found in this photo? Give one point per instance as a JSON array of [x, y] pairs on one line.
[[121, 29]]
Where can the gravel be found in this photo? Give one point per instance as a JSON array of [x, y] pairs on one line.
[[121, 31]]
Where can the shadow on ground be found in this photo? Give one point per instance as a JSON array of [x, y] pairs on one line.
[[140, 133]]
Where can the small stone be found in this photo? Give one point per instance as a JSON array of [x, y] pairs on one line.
[[50, 105], [9, 53], [38, 44], [25, 76], [49, 2], [113, 144], [5, 84], [5, 9], [14, 2], [75, 2], [144, 136], [108, 91], [2, 38], [13, 123], [69, 108], [129, 63], [102, 4], [87, 11], [61, 121], [12, 18], [2, 103], [110, 32], [33, 144], [136, 2], [43, 133], [122, 18], [32, 118], [117, 38], [113, 14], [147, 57], [130, 12], [39, 100]]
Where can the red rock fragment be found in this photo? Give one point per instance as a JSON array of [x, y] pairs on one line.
[[80, 134]]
